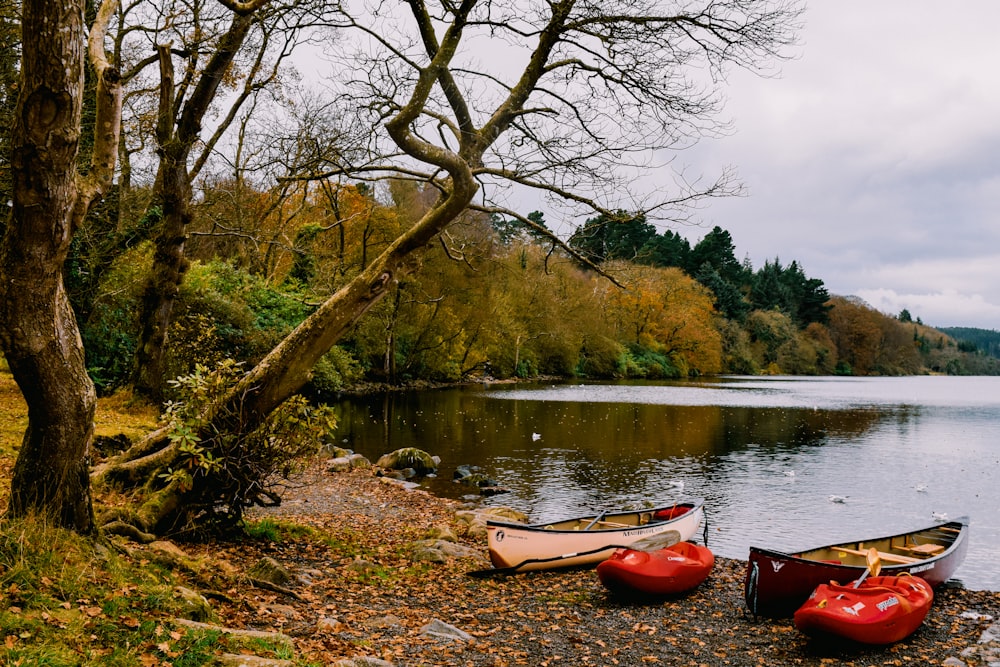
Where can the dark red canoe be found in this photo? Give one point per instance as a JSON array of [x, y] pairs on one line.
[[674, 569], [778, 583], [881, 610]]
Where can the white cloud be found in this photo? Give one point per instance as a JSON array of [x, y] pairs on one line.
[[872, 159], [942, 309]]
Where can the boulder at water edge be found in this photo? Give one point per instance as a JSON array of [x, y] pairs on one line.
[[409, 457]]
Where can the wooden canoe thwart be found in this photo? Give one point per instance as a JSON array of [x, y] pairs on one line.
[[777, 583], [587, 540]]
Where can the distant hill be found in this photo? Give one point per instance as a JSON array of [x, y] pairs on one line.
[[986, 341]]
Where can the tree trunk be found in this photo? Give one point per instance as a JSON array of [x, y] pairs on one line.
[[38, 331], [160, 292], [178, 129]]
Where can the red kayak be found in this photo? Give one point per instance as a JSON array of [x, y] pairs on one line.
[[882, 610], [674, 569]]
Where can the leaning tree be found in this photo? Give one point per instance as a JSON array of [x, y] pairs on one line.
[[567, 98]]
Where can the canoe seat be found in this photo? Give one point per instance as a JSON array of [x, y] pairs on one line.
[[924, 549]]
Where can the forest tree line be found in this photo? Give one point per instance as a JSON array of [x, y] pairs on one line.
[[496, 300]]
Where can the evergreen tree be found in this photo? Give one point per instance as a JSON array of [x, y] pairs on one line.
[[729, 299], [717, 249], [666, 249], [622, 237], [767, 290]]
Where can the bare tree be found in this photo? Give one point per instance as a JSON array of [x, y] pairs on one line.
[[596, 88], [38, 331]]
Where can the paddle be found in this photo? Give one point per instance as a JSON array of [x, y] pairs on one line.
[[650, 543], [596, 520], [874, 566]]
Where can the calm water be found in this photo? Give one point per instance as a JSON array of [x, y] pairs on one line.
[[765, 453]]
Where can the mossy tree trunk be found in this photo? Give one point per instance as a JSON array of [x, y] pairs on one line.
[[38, 330]]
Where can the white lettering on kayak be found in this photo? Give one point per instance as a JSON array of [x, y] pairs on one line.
[[885, 604]]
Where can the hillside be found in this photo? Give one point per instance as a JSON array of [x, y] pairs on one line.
[[985, 341]]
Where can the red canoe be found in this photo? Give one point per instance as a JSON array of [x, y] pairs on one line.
[[674, 569], [882, 610], [777, 583]]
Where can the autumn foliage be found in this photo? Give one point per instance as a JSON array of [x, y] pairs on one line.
[[495, 299]]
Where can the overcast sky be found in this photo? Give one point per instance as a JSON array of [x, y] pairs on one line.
[[874, 159]]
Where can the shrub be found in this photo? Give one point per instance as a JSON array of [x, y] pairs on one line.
[[333, 372], [235, 468], [109, 334]]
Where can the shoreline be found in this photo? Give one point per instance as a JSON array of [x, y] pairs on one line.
[[551, 617]]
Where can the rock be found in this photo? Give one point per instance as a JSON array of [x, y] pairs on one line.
[[269, 570], [273, 638], [328, 624], [440, 532], [337, 452], [363, 661], [439, 551], [361, 565], [505, 514], [442, 630], [194, 605], [286, 611], [309, 575], [359, 461], [474, 526], [476, 479], [464, 470], [383, 622], [234, 660], [338, 464], [409, 457], [342, 460], [409, 486]]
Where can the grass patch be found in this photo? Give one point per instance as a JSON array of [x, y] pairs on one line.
[[275, 531], [70, 601]]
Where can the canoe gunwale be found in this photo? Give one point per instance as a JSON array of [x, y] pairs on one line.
[[692, 505]]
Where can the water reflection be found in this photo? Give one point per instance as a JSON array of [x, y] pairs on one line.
[[766, 454]]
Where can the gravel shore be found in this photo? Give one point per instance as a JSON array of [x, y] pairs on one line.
[[378, 604]]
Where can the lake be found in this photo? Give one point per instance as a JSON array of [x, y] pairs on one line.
[[766, 453]]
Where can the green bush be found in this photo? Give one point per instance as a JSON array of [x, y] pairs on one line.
[[645, 363], [601, 357], [110, 333], [223, 474], [226, 313], [333, 372]]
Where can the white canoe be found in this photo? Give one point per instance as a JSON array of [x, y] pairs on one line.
[[586, 540]]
